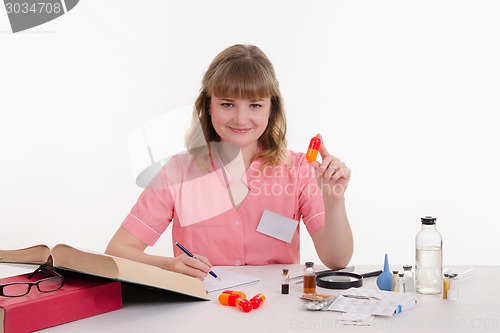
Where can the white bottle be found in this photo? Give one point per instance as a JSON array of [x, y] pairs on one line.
[[409, 279], [428, 258]]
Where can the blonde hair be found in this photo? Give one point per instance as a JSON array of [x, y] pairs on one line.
[[240, 71]]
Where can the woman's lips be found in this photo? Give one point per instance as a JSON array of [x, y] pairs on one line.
[[239, 130]]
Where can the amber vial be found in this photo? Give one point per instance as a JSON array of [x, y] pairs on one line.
[[446, 286], [309, 278], [285, 284]]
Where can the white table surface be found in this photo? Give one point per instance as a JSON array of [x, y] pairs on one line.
[[477, 310]]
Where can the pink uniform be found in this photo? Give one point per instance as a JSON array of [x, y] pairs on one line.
[[207, 223]]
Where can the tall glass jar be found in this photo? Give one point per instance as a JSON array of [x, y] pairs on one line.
[[428, 258]]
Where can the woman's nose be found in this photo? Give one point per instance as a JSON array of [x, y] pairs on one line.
[[239, 116]]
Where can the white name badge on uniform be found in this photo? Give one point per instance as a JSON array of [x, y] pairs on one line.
[[277, 226]]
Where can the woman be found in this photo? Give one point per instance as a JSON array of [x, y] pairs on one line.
[[236, 197]]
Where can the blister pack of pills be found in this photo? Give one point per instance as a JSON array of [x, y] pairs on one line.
[[376, 302]]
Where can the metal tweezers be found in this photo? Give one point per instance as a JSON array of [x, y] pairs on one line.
[[361, 297]]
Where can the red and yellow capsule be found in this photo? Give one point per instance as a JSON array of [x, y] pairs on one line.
[[257, 300], [243, 304], [229, 297], [235, 292], [312, 151]]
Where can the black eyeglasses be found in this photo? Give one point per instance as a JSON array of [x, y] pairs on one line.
[[47, 285]]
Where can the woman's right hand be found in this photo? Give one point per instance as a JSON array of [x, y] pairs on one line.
[[125, 245], [196, 267]]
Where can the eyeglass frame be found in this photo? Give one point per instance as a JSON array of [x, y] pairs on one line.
[[43, 268]]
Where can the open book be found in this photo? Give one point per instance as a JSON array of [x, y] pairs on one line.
[[69, 258]]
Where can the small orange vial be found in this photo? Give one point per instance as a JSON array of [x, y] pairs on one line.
[[309, 278]]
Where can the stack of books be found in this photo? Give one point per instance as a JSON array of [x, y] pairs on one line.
[[92, 286]]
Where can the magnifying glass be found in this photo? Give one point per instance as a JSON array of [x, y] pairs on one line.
[[343, 280]]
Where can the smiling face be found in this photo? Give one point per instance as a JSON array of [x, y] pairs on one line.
[[230, 106], [240, 121]]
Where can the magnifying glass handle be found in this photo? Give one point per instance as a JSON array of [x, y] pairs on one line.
[[347, 269], [371, 274]]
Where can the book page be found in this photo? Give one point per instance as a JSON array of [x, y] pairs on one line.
[[228, 279], [66, 256], [37, 254], [140, 273], [125, 270], [8, 270]]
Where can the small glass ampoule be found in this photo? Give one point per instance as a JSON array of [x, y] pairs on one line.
[[309, 278], [394, 280], [285, 282], [409, 278]]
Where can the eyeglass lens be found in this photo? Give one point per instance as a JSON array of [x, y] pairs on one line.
[[50, 284], [16, 289], [21, 289]]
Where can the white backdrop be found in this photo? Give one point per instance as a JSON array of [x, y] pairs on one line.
[[404, 91]]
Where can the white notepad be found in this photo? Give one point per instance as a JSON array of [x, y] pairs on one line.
[[228, 279]]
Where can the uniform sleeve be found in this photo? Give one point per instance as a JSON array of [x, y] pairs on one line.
[[153, 211], [311, 204]]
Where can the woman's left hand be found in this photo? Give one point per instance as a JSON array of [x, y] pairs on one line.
[[333, 174]]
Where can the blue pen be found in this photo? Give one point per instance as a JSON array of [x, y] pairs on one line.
[[186, 251]]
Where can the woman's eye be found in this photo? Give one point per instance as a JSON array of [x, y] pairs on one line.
[[255, 106], [227, 105]]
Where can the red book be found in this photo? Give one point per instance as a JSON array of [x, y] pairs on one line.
[[80, 297]]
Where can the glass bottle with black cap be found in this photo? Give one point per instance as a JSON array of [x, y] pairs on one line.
[[428, 258], [309, 278]]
